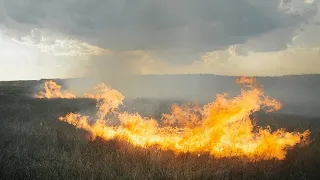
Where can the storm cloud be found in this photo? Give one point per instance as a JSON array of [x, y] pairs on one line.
[[120, 38]]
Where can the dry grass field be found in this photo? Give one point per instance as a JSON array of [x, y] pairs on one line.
[[35, 145]]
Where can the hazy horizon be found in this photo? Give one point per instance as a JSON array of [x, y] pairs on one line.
[[140, 75]]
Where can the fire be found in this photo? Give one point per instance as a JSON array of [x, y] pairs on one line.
[[222, 128], [52, 91]]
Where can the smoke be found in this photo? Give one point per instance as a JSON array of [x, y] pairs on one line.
[[112, 68], [115, 68]]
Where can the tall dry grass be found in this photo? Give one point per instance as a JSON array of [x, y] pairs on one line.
[[35, 145]]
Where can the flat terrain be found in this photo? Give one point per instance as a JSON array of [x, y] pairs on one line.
[[35, 145]]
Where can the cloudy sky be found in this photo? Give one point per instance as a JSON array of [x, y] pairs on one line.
[[75, 38]]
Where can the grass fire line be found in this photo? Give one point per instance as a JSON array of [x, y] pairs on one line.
[[222, 128]]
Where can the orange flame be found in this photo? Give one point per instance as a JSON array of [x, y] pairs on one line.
[[222, 128], [52, 91]]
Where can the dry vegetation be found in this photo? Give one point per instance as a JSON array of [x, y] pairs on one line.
[[35, 145]]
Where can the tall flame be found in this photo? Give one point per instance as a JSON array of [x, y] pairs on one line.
[[52, 90], [222, 128]]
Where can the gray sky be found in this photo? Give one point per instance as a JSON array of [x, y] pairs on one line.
[[68, 38]]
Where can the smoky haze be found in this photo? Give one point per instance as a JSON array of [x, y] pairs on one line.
[[116, 70], [299, 94]]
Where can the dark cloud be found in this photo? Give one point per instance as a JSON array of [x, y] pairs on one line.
[[201, 25], [167, 36]]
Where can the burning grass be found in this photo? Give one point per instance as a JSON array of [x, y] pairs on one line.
[[34, 145], [222, 128]]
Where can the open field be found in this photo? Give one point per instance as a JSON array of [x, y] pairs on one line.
[[160, 90], [35, 145]]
